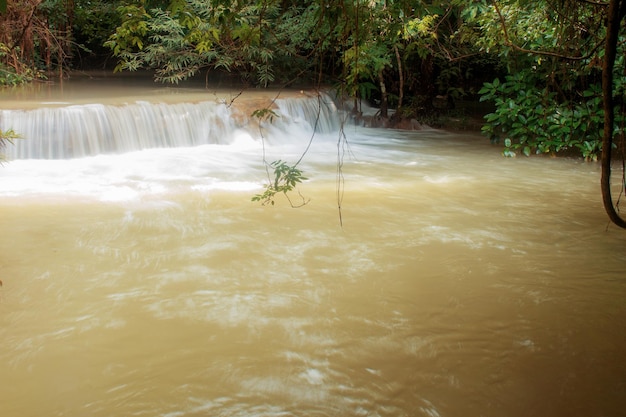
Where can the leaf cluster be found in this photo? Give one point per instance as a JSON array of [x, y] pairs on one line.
[[187, 36], [285, 179], [6, 137], [534, 121], [551, 100]]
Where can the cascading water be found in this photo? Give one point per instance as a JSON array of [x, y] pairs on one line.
[[77, 131]]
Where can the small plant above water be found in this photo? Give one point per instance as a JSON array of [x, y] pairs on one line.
[[265, 114], [286, 177]]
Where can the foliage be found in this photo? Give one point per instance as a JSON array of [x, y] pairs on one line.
[[550, 100], [373, 49], [398, 45], [6, 137], [36, 37], [286, 177], [535, 121], [265, 114], [93, 23], [9, 74], [44, 37], [192, 35]]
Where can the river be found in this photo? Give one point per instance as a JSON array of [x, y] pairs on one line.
[[144, 281]]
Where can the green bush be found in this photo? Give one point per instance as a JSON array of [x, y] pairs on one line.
[[531, 120]]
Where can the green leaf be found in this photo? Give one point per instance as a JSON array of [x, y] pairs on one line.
[[286, 178]]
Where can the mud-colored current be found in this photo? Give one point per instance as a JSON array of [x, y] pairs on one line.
[[462, 283]]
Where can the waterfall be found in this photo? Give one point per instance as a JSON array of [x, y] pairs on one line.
[[76, 131], [305, 112]]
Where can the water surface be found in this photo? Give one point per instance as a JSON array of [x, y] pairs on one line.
[[146, 282]]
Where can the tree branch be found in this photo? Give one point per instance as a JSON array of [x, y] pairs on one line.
[[508, 43], [613, 26], [26, 25]]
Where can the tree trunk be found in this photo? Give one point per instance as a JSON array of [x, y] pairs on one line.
[[615, 15], [400, 77], [384, 101]]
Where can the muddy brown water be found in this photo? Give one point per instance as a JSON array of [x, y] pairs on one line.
[[461, 283]]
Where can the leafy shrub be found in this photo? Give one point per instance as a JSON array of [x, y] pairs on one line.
[[533, 120]]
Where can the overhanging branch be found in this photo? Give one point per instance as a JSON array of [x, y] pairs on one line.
[[510, 44]]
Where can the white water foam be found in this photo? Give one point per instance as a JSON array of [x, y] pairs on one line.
[[121, 153]]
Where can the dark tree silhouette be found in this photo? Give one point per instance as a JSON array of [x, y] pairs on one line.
[[616, 12]]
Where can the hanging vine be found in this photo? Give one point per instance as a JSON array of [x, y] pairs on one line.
[[284, 178]]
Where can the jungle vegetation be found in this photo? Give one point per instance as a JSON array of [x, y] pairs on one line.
[[552, 72]]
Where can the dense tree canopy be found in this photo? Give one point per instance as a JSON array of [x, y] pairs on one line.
[[539, 63], [371, 49]]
